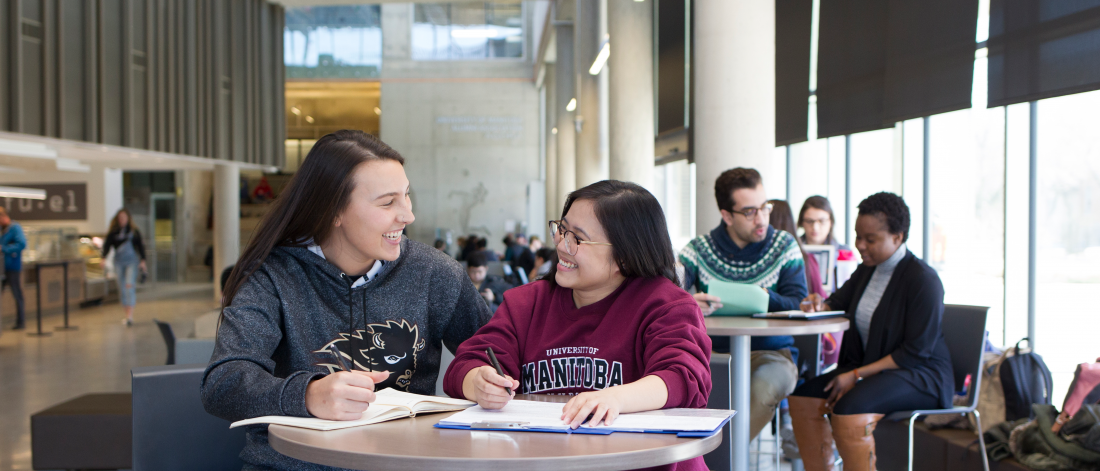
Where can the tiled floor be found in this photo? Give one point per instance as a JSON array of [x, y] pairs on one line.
[[38, 372]]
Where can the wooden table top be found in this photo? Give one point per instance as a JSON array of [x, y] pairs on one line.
[[415, 443], [728, 325]]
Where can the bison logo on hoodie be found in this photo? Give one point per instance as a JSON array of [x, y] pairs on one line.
[[391, 347]]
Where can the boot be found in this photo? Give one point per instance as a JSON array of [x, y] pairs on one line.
[[812, 432], [855, 441]]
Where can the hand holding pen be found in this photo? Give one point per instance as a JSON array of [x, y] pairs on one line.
[[488, 385], [345, 394]]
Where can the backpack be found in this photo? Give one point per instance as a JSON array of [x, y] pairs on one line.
[[1026, 381]]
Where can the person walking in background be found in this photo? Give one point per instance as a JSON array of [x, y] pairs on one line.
[[13, 242], [125, 239]]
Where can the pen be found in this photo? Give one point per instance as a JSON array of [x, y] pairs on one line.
[[339, 357], [496, 364]]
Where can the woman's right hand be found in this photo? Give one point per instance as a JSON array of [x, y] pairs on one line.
[[484, 386], [708, 303], [814, 303], [343, 395]]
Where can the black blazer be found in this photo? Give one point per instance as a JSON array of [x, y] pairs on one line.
[[906, 325]]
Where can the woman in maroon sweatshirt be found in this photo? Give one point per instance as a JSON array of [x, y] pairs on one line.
[[609, 324]]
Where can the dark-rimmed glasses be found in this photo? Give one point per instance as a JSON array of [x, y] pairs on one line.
[[750, 213], [572, 242]]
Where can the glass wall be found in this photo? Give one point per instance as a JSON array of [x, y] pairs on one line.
[[467, 31], [333, 42], [1068, 229], [674, 187]]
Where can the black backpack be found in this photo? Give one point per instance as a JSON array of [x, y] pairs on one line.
[[1026, 381]]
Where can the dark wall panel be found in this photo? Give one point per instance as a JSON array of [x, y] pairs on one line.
[[793, 21], [6, 32], [851, 67], [72, 62], [111, 72], [671, 78]]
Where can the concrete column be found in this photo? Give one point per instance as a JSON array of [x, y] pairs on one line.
[[734, 74], [630, 67], [553, 203], [564, 82], [586, 37], [227, 220]]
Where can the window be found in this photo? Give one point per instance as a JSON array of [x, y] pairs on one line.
[[674, 187], [1068, 230], [467, 31], [876, 166], [333, 42]]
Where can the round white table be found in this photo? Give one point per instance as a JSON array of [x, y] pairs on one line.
[[740, 330]]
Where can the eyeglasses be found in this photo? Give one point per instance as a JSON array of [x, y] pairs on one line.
[[750, 213], [572, 242], [816, 222]]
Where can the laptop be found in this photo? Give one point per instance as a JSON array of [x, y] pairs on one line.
[[798, 315]]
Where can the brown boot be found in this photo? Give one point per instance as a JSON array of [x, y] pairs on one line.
[[812, 432], [855, 441]]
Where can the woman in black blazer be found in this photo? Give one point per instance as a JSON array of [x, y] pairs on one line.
[[893, 358]]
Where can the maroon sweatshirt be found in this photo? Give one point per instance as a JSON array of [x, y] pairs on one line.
[[648, 326]]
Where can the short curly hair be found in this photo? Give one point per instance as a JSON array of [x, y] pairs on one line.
[[732, 180], [891, 208]]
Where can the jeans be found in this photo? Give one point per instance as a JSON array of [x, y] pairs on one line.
[[15, 280], [127, 279], [773, 378]]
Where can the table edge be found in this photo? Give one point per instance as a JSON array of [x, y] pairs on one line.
[[805, 329]]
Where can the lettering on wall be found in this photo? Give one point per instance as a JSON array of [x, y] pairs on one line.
[[64, 201], [491, 127]]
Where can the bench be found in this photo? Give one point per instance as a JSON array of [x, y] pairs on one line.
[[93, 431], [936, 450]]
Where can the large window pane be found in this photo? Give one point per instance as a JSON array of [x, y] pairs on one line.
[[333, 42], [876, 166], [1068, 262], [467, 31], [674, 187], [967, 209]]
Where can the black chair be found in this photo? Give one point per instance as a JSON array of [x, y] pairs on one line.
[[169, 340], [721, 378], [171, 429], [964, 332]]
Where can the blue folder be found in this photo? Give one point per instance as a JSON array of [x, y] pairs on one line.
[[590, 431]]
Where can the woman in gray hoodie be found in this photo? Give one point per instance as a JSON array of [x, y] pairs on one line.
[[329, 267]]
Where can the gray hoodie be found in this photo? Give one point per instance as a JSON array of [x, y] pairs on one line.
[[273, 338]]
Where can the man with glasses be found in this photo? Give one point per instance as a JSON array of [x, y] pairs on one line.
[[744, 248]]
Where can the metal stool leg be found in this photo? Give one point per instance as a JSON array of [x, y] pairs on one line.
[[981, 440]]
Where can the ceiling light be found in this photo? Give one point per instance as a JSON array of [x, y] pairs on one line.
[[378, 111], [309, 119], [601, 58], [482, 33], [554, 130], [572, 105], [25, 193], [295, 110]]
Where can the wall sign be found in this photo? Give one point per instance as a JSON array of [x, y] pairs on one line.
[[64, 201]]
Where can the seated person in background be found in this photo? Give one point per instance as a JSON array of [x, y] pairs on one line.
[[744, 248], [611, 306], [782, 219], [440, 245], [509, 241], [816, 220], [535, 243], [893, 359], [545, 259], [468, 248], [483, 248], [522, 257], [491, 287]]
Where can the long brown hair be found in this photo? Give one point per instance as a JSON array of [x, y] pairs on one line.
[[822, 203], [315, 196], [129, 221]]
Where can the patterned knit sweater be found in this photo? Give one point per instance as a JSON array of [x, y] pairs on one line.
[[774, 263]]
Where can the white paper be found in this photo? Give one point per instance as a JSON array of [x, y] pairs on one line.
[[547, 415]]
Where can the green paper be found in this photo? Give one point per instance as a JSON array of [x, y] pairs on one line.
[[739, 299]]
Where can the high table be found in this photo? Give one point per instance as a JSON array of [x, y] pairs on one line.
[[415, 443], [740, 330]]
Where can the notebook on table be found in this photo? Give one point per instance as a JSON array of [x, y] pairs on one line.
[[798, 315], [533, 416], [738, 299], [391, 405]]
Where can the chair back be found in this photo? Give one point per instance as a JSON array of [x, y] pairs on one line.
[[964, 332], [809, 355], [721, 378], [495, 268], [169, 340], [172, 430]]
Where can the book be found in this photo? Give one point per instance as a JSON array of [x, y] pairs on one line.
[[390, 405], [533, 416]]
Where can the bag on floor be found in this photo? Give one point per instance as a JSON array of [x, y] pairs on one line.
[[1086, 384], [1026, 380]]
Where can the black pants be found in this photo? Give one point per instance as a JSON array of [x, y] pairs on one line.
[[15, 280], [883, 393]]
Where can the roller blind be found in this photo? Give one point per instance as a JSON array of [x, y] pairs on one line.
[[851, 66], [1042, 49], [793, 22]]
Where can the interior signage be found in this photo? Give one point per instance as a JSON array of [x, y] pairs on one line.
[[64, 201]]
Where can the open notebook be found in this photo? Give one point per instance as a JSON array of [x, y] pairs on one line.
[[391, 404], [531, 416]]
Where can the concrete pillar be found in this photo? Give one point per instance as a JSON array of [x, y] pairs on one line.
[[227, 220], [586, 37], [565, 82], [630, 67], [553, 203], [734, 74]]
